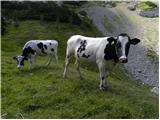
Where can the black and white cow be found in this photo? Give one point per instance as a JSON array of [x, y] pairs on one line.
[[98, 50], [36, 47]]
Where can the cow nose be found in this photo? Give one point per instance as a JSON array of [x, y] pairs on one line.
[[123, 59]]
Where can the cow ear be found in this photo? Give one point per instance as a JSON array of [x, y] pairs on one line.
[[14, 58], [25, 58], [135, 41], [112, 40]]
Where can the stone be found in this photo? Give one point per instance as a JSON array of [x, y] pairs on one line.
[[149, 13], [139, 70], [131, 8], [155, 90]]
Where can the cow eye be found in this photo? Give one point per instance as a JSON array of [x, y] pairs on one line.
[[118, 45]]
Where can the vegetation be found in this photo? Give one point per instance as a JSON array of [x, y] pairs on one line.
[[3, 25], [146, 5], [49, 11], [109, 27], [45, 94], [118, 21]]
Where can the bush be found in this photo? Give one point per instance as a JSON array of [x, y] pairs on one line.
[[146, 5], [41, 11], [3, 25]]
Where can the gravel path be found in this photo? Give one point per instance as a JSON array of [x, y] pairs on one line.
[[139, 65]]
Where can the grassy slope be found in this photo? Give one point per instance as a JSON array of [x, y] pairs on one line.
[[110, 28], [45, 94]]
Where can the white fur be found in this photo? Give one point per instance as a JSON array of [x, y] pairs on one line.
[[95, 47]]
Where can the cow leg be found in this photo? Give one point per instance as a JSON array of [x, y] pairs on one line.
[[55, 55], [66, 67], [78, 70], [101, 67], [32, 60], [34, 57], [30, 64], [49, 60]]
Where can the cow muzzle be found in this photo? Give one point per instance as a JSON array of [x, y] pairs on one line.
[[123, 59]]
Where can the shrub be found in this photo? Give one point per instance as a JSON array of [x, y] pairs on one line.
[[146, 5], [3, 25], [41, 11]]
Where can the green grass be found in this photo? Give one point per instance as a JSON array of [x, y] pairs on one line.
[[109, 27], [45, 94], [146, 5], [150, 40], [118, 21]]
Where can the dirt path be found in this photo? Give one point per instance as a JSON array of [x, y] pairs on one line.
[[123, 20]]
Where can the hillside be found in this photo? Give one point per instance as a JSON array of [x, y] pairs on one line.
[[45, 94], [143, 58]]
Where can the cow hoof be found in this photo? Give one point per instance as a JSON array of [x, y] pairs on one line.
[[30, 73], [65, 77], [81, 78], [103, 88]]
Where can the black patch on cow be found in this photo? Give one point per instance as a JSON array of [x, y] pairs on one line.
[[127, 48], [86, 56], [82, 48], [78, 55], [27, 51], [22, 62], [50, 43], [45, 46], [52, 49], [111, 39], [40, 46], [124, 35], [110, 52]]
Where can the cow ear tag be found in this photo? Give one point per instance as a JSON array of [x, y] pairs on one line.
[[112, 43]]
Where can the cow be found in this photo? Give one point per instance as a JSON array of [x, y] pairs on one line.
[[37, 47], [98, 50]]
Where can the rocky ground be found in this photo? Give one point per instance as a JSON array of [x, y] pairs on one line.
[[121, 19]]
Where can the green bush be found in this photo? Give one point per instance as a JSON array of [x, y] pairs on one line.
[[29, 10], [146, 5], [3, 25]]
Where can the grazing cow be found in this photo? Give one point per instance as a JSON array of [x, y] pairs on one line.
[[98, 50], [36, 47]]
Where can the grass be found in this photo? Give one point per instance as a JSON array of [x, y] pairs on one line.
[[109, 27], [147, 5], [151, 42], [45, 94], [134, 19], [118, 21]]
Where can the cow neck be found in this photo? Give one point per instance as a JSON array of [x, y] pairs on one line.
[[25, 52]]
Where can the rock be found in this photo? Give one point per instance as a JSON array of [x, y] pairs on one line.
[[131, 8], [149, 13], [155, 90], [109, 6], [138, 70]]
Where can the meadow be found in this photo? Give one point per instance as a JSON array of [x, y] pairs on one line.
[[45, 94]]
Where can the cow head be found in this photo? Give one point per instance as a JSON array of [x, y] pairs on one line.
[[122, 46], [20, 61]]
